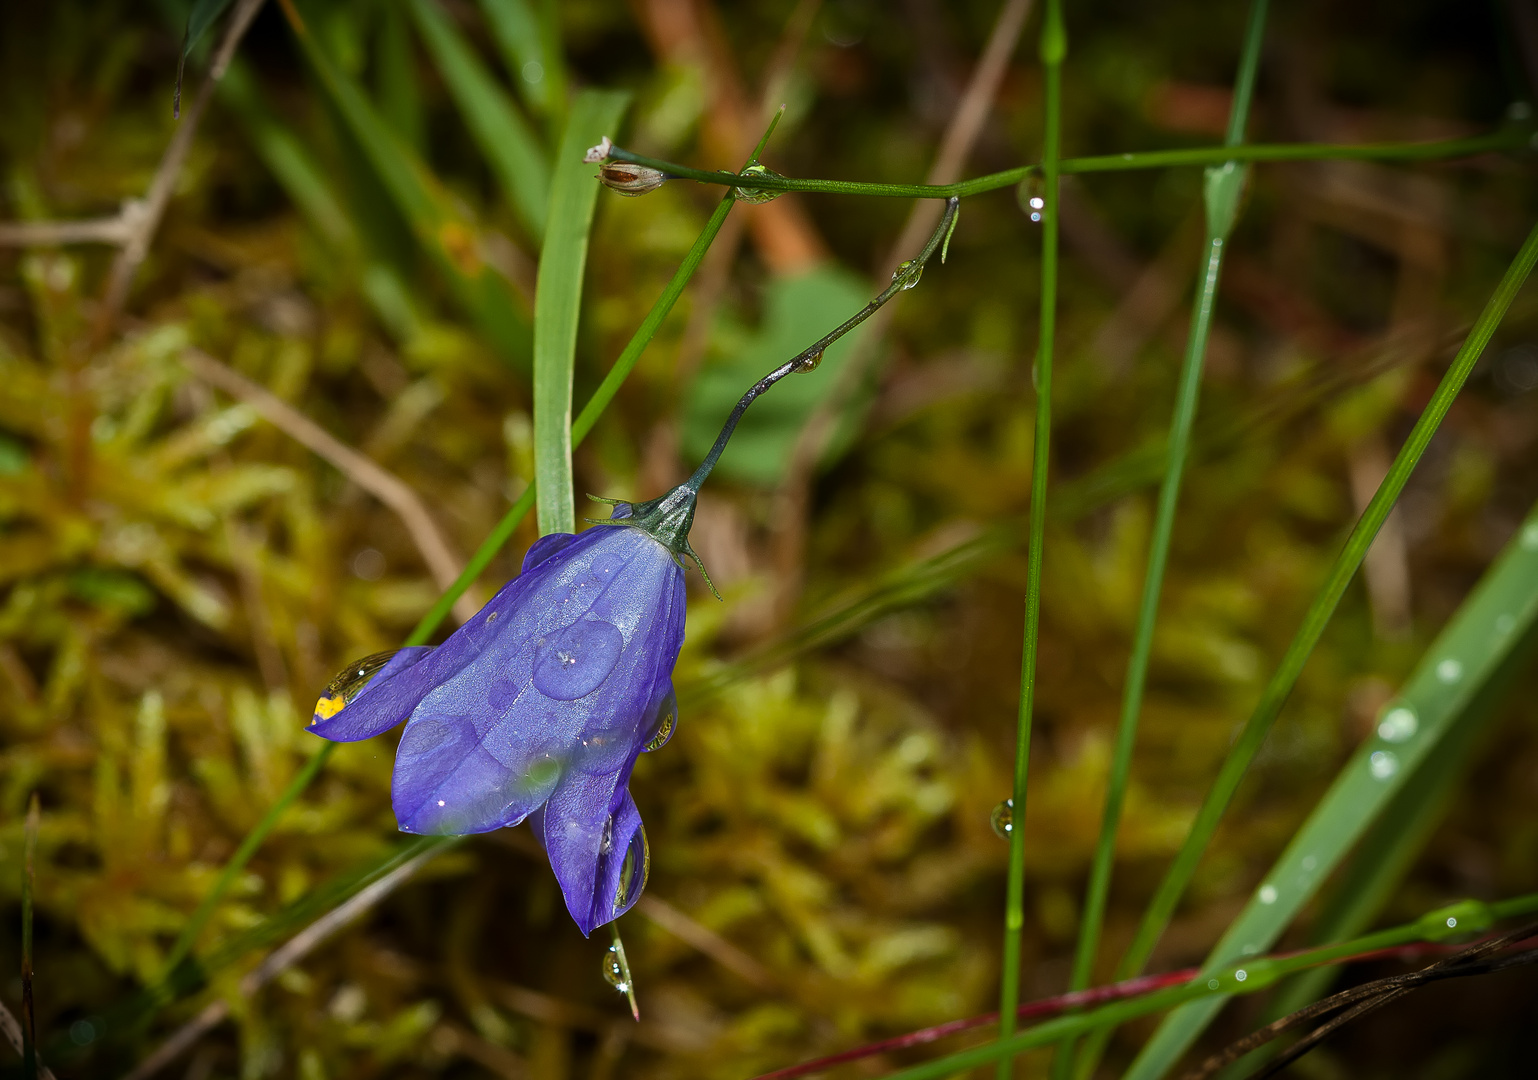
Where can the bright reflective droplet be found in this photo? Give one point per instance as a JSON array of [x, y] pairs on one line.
[[908, 274], [1268, 894], [664, 723], [1032, 196], [758, 195], [1383, 764], [348, 684], [573, 662], [634, 871], [1452, 921], [1241, 975], [1003, 818], [1450, 671], [1398, 724], [614, 970]]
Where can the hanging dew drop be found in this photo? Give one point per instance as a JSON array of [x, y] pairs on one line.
[[614, 970], [633, 871], [662, 727], [1032, 196], [1003, 818], [755, 196], [348, 684], [808, 363]]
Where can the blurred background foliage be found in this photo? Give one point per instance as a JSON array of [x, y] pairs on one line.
[[356, 229]]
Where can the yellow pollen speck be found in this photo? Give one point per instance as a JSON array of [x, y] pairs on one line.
[[327, 707]]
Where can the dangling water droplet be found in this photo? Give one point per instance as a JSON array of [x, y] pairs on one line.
[[634, 871], [664, 723], [1031, 195], [1003, 818], [1383, 764], [808, 363], [1398, 724], [758, 195], [349, 683], [614, 970]]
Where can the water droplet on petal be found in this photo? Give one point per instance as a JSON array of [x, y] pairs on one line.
[[1003, 818], [613, 970], [1268, 894], [573, 662], [757, 195], [1383, 764], [349, 683], [634, 871], [1398, 724], [663, 724]]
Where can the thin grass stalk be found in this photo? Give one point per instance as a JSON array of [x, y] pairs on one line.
[[1255, 729], [1054, 46], [28, 884], [1245, 977], [478, 562], [1511, 138], [1223, 187]]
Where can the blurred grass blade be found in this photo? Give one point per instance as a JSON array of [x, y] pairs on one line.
[[531, 49], [199, 19], [396, 86], [558, 301], [1418, 731], [1158, 1055], [499, 129], [436, 221], [28, 885]]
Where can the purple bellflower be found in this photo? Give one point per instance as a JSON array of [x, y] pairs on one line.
[[537, 708]]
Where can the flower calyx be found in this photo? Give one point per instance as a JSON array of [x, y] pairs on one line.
[[666, 519]]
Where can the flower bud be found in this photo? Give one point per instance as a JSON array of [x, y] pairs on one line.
[[631, 180]]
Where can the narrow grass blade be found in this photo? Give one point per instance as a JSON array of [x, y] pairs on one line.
[[397, 88], [499, 129], [1053, 48], [436, 221], [558, 301], [531, 49], [1223, 190], [28, 885], [1418, 730], [199, 19]]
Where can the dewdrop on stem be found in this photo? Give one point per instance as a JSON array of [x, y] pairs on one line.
[[1032, 194]]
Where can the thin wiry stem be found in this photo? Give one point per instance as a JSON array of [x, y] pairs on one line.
[[1054, 46], [1515, 137], [29, 1062], [1219, 227]]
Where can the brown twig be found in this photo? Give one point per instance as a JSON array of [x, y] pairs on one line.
[[10, 1027], [115, 230], [146, 220], [277, 962], [706, 941], [362, 470]]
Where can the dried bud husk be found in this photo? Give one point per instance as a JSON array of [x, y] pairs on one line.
[[598, 153], [630, 180]]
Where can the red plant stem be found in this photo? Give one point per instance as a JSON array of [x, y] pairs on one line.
[[1053, 1006]]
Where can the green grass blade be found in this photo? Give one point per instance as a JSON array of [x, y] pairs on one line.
[[499, 129], [531, 50], [1224, 187], [1471, 651], [436, 221], [1053, 48], [558, 301], [396, 86]]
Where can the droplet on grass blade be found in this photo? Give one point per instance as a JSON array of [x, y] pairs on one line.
[[1003, 818], [613, 970], [1031, 194], [1398, 724], [754, 196], [1383, 764]]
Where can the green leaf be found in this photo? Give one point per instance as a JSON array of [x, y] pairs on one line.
[[397, 88], [1414, 733], [531, 49], [558, 301], [797, 311], [436, 220], [499, 129]]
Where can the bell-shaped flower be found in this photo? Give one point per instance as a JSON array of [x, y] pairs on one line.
[[539, 706]]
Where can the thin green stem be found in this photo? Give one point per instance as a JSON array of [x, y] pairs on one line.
[[1054, 46], [1253, 734], [28, 884], [1222, 186], [477, 565], [1244, 977], [1509, 138]]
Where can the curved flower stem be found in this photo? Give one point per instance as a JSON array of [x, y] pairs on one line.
[[1054, 46], [1223, 192], [1509, 138], [906, 277]]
